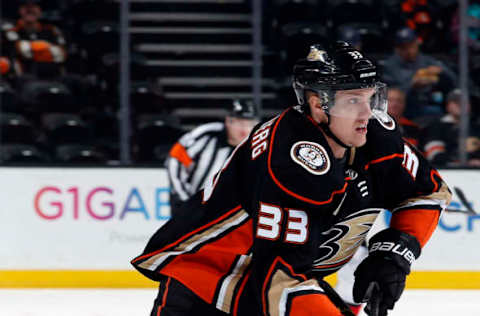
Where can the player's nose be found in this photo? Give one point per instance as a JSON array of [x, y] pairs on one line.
[[365, 111]]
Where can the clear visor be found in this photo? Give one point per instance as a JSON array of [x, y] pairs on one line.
[[357, 103]]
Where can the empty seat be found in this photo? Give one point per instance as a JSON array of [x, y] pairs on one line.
[[16, 129], [297, 38], [94, 9], [99, 37], [351, 11], [160, 153], [8, 98], [146, 97], [109, 68], [64, 128], [370, 35], [298, 10], [22, 153], [153, 131], [80, 154], [47, 96]]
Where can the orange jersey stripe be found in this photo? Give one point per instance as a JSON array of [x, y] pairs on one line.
[[164, 299], [416, 222], [189, 234], [201, 271], [432, 173], [392, 156], [313, 304], [180, 153], [333, 265]]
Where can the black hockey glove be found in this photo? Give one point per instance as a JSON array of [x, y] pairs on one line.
[[380, 278]]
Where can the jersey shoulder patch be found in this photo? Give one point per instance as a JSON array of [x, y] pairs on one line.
[[313, 157]]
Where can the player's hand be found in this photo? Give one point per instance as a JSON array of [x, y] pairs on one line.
[[434, 70], [380, 278], [380, 283]]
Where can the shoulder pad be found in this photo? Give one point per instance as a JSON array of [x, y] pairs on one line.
[[381, 142], [301, 163]]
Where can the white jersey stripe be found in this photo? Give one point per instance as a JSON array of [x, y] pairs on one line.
[[282, 308]]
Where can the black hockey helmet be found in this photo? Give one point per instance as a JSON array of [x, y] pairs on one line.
[[244, 108], [342, 67]]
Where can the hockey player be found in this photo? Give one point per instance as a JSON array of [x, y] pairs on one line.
[[296, 199]]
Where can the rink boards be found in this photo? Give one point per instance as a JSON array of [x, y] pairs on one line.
[[79, 227]]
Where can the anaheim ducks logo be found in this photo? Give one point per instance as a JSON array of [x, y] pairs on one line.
[[343, 239], [311, 156]]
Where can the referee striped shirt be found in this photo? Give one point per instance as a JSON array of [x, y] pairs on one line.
[[196, 156]]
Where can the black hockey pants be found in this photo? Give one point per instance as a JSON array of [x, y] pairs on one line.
[[174, 299]]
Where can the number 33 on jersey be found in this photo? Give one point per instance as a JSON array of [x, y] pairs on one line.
[[270, 219]]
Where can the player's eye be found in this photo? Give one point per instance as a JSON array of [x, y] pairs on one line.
[[353, 100]]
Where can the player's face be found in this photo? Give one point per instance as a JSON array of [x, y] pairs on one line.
[[349, 117], [238, 129]]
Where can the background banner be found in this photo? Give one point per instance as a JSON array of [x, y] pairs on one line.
[[56, 221]]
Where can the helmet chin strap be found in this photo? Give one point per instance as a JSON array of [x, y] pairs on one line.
[[326, 128]]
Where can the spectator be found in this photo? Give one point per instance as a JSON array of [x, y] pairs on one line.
[[200, 153], [441, 145], [424, 79], [37, 48], [396, 108], [421, 16]]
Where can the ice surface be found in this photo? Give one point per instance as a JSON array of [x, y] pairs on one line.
[[135, 302]]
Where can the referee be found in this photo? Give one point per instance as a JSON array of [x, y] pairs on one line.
[[200, 153]]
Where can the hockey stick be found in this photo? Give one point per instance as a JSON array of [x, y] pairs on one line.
[[335, 298], [372, 297], [463, 200]]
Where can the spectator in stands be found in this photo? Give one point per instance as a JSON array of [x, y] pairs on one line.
[[396, 108], [441, 145], [201, 152], [37, 48], [420, 16], [424, 78]]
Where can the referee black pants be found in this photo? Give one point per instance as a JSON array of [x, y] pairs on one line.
[[174, 299]]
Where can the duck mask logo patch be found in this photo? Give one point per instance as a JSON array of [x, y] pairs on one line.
[[311, 156]]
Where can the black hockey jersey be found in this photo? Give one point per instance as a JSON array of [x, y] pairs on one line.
[[284, 211]]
